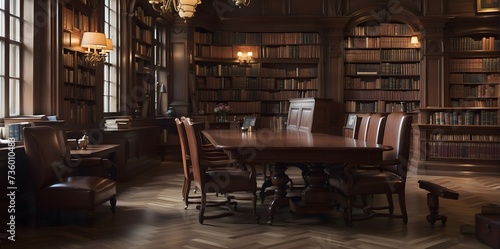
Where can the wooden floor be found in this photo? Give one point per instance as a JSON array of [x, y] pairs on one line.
[[150, 214]]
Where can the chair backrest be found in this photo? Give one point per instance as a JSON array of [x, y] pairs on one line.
[[43, 151], [186, 158], [397, 133], [363, 127], [375, 130], [193, 134]]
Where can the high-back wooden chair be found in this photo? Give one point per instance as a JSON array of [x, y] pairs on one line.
[[214, 158], [385, 177], [221, 180], [375, 128]]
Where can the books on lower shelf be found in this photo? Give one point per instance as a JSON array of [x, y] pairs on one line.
[[16, 130], [117, 123], [468, 117]]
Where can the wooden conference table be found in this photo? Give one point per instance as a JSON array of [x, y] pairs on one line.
[[290, 146]]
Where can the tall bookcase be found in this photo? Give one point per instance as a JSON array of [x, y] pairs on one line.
[[284, 66], [78, 79], [464, 136], [141, 89], [381, 69]]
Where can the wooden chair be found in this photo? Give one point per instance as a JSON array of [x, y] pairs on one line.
[[375, 128], [214, 158], [385, 177], [221, 180], [55, 183]]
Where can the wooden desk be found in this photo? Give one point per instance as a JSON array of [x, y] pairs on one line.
[[281, 147], [100, 150]]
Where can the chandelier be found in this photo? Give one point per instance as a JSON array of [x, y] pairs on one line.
[[97, 47], [185, 8], [240, 3]]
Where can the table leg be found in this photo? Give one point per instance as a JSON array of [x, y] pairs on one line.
[[279, 180], [316, 197]]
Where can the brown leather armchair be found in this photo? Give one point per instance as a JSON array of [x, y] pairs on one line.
[[221, 180], [385, 177], [55, 183]]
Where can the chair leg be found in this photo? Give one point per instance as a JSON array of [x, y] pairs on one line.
[[349, 210], [391, 203], [185, 188], [402, 205], [112, 201], [254, 206], [186, 197], [202, 207]]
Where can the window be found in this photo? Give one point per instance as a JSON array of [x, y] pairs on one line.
[[10, 57], [111, 86]]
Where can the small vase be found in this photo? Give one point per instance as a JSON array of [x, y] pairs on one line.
[[221, 118]]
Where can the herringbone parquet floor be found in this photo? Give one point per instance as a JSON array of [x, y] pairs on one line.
[[150, 214]]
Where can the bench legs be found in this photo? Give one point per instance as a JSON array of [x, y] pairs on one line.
[[433, 203]]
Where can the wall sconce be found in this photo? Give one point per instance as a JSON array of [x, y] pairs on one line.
[[414, 41], [247, 58], [240, 3], [161, 91], [97, 47], [185, 8]]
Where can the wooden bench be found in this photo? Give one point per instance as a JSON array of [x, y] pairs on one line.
[[436, 191]]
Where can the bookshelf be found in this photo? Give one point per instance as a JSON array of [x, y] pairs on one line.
[[284, 66], [78, 80], [464, 136], [142, 89], [381, 69]]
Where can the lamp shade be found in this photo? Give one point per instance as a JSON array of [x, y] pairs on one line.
[[414, 40], [163, 89], [109, 45], [93, 40]]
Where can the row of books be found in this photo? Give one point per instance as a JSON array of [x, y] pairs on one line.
[[474, 78], [81, 93], [475, 65], [226, 70], [75, 20], [380, 29], [117, 123], [474, 103], [16, 130], [459, 150], [69, 59], [409, 69], [463, 137], [291, 51], [468, 117], [78, 112], [471, 91], [236, 107], [256, 38], [275, 107], [381, 55], [237, 83], [278, 51], [142, 16], [380, 94], [390, 83], [380, 106], [469, 43], [143, 49], [379, 42], [144, 35], [249, 95]]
